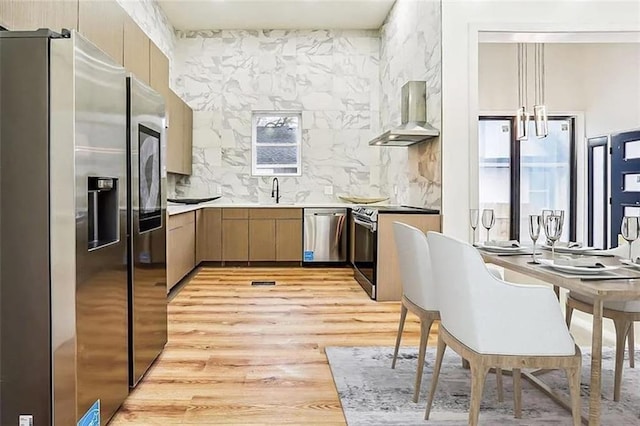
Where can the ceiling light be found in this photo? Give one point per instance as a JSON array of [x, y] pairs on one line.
[[539, 108]]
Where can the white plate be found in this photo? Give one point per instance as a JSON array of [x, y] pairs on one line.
[[580, 270], [499, 249], [630, 263], [572, 250]]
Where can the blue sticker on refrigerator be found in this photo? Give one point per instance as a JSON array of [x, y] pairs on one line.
[[308, 255]]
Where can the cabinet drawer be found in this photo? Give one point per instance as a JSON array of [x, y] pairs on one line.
[[231, 213], [275, 213], [178, 220]]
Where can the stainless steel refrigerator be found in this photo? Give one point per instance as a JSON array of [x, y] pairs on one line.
[[63, 223], [147, 175]]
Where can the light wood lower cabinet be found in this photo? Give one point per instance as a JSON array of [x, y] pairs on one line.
[[181, 247], [235, 240], [241, 235], [388, 280], [275, 234], [289, 240], [235, 235], [209, 235], [262, 240]]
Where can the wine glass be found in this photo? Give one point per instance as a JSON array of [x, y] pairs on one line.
[[630, 230], [473, 218], [488, 220], [534, 233], [548, 212], [553, 231], [545, 214]]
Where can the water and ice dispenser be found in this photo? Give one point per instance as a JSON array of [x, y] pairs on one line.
[[103, 211]]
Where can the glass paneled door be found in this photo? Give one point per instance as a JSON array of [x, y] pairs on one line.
[[519, 178], [598, 199], [625, 179], [547, 178]]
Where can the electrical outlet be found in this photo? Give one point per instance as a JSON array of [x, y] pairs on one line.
[[25, 420], [219, 190], [328, 190], [395, 189]]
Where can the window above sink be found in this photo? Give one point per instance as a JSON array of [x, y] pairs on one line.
[[276, 143]]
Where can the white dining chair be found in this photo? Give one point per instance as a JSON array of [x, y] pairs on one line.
[[623, 314], [496, 324], [418, 291]]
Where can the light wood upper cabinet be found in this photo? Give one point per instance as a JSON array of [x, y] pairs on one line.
[[175, 151], [102, 22], [136, 50], [209, 235], [159, 71], [187, 140], [180, 139], [34, 14]]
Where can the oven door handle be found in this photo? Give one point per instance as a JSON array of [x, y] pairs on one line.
[[370, 226]]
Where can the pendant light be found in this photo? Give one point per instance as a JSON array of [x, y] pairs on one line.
[[539, 108], [522, 116]]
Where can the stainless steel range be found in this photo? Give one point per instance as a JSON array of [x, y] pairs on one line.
[[365, 256]]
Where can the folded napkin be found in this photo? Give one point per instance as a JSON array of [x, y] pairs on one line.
[[586, 262], [509, 243], [569, 244]]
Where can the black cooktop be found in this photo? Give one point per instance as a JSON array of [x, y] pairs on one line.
[[192, 200], [404, 209]]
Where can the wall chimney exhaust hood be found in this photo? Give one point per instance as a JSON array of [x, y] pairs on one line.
[[414, 127]]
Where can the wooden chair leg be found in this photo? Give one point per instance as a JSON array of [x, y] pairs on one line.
[[622, 328], [573, 375], [403, 316], [631, 337], [436, 373], [478, 377], [499, 384], [568, 314], [425, 327], [517, 394]]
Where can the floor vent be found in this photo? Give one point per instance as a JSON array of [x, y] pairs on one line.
[[263, 283]]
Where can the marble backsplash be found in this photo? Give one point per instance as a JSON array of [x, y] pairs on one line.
[[411, 50], [332, 77]]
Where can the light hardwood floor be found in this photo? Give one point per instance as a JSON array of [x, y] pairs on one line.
[[240, 354]]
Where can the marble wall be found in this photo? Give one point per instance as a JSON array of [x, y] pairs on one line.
[[411, 50], [332, 77]]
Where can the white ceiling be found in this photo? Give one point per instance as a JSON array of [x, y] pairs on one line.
[[276, 14]]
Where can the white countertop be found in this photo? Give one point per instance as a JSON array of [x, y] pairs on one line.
[[174, 208]]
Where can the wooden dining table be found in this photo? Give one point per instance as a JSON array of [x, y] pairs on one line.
[[625, 285]]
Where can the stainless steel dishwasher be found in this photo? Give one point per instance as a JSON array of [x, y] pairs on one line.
[[325, 235]]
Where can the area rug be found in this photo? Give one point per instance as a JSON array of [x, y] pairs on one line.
[[372, 393]]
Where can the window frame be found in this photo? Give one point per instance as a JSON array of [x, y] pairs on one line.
[[515, 176], [255, 115]]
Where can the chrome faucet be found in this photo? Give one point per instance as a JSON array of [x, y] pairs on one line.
[[275, 192]]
